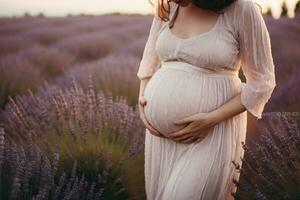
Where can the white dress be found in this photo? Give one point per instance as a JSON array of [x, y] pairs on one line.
[[199, 74]]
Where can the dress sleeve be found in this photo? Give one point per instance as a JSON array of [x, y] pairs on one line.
[[150, 61], [256, 59]]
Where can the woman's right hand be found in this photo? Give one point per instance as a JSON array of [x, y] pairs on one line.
[[143, 102]]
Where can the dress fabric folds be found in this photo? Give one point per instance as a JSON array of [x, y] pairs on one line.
[[200, 74]]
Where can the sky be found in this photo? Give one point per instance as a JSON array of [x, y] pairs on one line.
[[64, 7]]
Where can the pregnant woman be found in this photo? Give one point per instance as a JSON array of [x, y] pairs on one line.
[[192, 101]]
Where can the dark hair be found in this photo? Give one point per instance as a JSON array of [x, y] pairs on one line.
[[214, 5]]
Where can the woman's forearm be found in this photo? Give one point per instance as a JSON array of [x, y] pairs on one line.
[[143, 85], [229, 109]]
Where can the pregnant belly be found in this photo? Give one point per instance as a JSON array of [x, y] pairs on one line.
[[174, 94]]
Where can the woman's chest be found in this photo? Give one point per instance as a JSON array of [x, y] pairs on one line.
[[213, 49]]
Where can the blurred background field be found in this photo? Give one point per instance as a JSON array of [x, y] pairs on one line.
[[70, 126]]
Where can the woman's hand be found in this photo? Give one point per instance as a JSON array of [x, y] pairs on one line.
[[198, 127], [153, 131]]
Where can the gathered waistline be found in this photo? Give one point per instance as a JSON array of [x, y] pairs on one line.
[[184, 66]]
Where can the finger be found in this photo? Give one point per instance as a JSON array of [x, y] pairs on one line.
[[159, 135], [144, 119], [182, 133], [192, 141], [184, 137], [188, 140], [189, 136], [152, 129], [178, 135], [149, 126], [202, 137], [199, 140], [154, 133], [182, 121]]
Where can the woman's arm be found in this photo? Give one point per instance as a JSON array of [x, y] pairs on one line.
[[256, 59], [149, 64], [150, 61], [143, 85], [229, 109], [257, 65]]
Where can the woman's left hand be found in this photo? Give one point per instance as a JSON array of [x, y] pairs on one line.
[[197, 128]]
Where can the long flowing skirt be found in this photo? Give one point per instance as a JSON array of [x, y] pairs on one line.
[[194, 171]]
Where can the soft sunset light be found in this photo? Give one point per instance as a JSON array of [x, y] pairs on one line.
[[64, 7], [275, 6]]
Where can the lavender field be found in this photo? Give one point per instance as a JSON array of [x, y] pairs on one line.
[[69, 122]]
